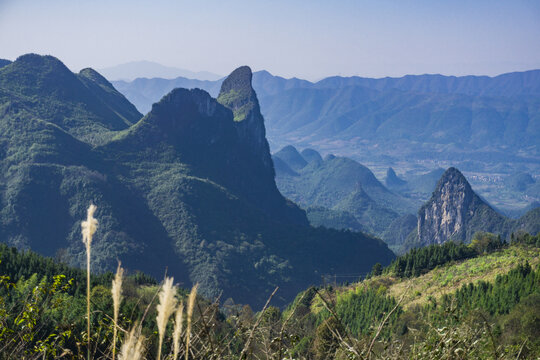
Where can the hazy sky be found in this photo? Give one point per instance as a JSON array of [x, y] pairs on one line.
[[307, 39]]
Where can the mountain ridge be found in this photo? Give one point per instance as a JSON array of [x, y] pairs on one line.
[[37, 83], [149, 69], [176, 190]]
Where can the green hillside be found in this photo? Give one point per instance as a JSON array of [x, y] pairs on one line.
[[188, 189], [85, 105], [484, 303], [460, 301], [341, 187]]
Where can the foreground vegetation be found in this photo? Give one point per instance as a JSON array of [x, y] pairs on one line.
[[490, 308]]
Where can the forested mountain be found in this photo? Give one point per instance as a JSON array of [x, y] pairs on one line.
[[350, 115], [337, 192], [83, 105], [507, 85], [188, 188]]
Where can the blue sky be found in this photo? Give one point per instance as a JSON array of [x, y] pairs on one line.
[[306, 39]]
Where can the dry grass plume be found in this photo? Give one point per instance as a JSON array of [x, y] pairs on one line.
[[165, 308], [116, 291], [177, 329], [191, 305], [88, 229], [133, 347]]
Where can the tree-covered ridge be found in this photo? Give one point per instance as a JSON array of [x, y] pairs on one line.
[[418, 261], [484, 312], [22, 265], [421, 260], [499, 297], [85, 105], [186, 188], [4, 62]]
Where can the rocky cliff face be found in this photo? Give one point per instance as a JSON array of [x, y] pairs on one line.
[[455, 212], [258, 182], [238, 95]]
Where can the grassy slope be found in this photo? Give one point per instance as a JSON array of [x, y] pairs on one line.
[[450, 277]]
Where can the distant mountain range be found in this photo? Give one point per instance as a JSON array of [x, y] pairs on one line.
[[188, 188], [148, 69], [485, 126], [338, 192], [479, 122]]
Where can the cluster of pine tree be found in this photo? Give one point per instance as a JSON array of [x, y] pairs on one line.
[[19, 265], [419, 261], [498, 297]]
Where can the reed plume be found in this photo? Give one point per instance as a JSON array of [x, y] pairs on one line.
[[116, 290], [133, 347], [165, 308], [177, 329], [88, 229], [191, 305]]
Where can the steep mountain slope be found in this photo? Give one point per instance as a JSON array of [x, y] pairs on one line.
[[455, 212], [84, 105], [4, 62], [188, 188]]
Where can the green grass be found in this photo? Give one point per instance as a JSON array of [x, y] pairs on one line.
[[450, 277]]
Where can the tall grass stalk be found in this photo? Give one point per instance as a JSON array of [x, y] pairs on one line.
[[165, 308], [177, 329], [88, 229], [191, 305], [116, 290]]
